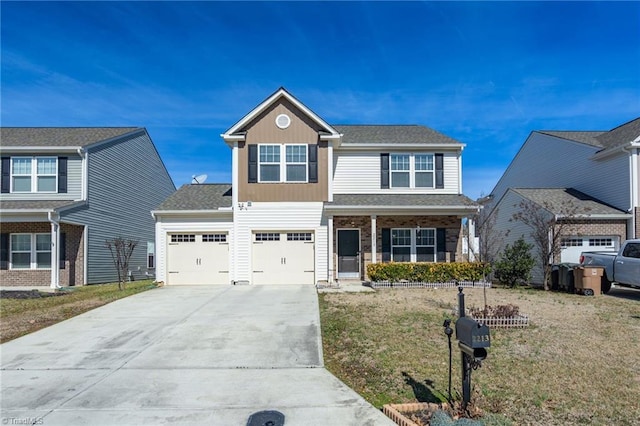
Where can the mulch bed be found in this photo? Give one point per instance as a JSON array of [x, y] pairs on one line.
[[27, 294]]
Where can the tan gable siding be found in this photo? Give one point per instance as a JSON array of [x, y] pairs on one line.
[[302, 130]]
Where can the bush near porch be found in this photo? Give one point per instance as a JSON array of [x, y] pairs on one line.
[[428, 272]]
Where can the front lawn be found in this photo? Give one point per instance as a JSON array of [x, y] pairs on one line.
[[20, 316], [575, 364]]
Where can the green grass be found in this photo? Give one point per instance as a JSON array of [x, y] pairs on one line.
[[575, 364], [22, 316]]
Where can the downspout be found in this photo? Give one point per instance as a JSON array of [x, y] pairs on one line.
[[634, 188], [55, 249], [83, 155]]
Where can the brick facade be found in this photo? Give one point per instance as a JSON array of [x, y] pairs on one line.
[[597, 228], [73, 272], [452, 224]]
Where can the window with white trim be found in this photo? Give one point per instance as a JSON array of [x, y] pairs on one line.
[[412, 170], [296, 163], [271, 168], [30, 251], [151, 255], [183, 238], [413, 245], [299, 236], [269, 163], [34, 174]]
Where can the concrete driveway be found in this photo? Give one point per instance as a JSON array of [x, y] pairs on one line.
[[181, 355]]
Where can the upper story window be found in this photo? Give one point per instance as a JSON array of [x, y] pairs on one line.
[[34, 174], [412, 170], [292, 169]]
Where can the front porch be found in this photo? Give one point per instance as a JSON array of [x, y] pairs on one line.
[[357, 241], [39, 254]]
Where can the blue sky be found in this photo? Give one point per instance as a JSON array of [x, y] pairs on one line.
[[484, 73]]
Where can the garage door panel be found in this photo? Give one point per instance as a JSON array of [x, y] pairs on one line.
[[198, 259], [283, 258], [572, 247]]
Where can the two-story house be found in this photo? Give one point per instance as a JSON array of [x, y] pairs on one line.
[[312, 202], [594, 172], [65, 192]]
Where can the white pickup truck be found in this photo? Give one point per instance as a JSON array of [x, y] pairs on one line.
[[622, 268]]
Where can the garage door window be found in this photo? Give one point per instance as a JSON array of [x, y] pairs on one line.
[[183, 238], [267, 236], [214, 238], [601, 242], [571, 242], [299, 236]]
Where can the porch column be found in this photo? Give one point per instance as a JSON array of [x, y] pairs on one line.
[[55, 254], [331, 272], [374, 239]]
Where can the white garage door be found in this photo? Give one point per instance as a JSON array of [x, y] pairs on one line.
[[198, 259], [283, 258], [572, 247]]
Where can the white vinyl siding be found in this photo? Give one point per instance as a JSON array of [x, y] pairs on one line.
[[276, 218], [357, 172], [74, 184]]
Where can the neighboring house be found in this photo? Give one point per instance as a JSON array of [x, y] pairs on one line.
[[597, 172], [65, 191], [312, 202]]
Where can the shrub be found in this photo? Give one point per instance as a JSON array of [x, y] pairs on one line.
[[427, 272], [515, 264]]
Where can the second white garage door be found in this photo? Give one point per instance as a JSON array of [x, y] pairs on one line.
[[197, 259], [283, 258], [572, 247]]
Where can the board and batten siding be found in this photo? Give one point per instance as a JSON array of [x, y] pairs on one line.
[[74, 182], [126, 180], [358, 172], [279, 217], [169, 225], [546, 161]]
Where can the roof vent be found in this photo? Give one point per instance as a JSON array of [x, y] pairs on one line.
[[283, 121]]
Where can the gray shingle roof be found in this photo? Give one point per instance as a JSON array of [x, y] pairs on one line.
[[589, 138], [621, 135], [59, 136], [558, 198], [34, 205], [419, 200], [199, 197], [392, 134]]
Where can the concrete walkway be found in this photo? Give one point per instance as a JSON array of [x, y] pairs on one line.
[[181, 355]]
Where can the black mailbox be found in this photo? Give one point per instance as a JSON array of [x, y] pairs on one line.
[[473, 338]]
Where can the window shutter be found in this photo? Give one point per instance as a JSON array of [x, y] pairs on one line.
[[63, 250], [253, 163], [313, 163], [439, 170], [62, 175], [6, 175], [4, 251], [386, 245], [441, 244], [384, 171]]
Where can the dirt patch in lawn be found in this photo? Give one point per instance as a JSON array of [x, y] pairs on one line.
[[575, 363]]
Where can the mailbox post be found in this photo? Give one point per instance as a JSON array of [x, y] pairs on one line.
[[473, 339]]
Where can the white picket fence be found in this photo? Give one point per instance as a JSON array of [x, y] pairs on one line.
[[450, 284], [520, 321]]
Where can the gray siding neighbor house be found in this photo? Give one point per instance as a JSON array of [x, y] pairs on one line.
[[596, 172], [65, 191]]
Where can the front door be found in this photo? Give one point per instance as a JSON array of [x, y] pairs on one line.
[[348, 253]]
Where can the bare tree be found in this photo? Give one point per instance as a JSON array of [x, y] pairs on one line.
[[491, 239], [549, 225], [121, 251]]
